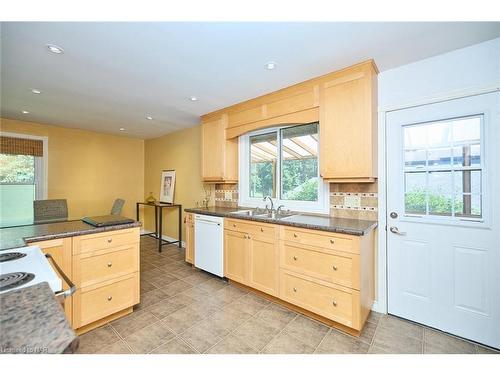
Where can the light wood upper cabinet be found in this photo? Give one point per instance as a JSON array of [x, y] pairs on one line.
[[219, 155], [348, 126]]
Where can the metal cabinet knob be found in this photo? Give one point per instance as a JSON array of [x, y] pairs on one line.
[[295, 289], [334, 268], [249, 237], [110, 264], [234, 225], [334, 303], [295, 257], [110, 240], [295, 235], [262, 229], [110, 298], [332, 241]]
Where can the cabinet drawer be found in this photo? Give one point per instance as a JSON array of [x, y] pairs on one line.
[[334, 267], [250, 227], [322, 239], [91, 304], [105, 240], [93, 267], [332, 303]]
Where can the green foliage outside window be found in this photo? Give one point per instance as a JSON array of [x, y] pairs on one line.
[[17, 169]]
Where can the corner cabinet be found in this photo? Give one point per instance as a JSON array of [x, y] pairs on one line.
[[219, 155], [348, 125]]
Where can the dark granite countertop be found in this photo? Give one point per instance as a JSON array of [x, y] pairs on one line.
[[23, 235], [301, 220], [33, 321]]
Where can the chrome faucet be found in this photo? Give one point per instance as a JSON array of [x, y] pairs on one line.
[[279, 209], [270, 200]]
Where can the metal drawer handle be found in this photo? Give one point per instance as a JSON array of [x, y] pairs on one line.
[[334, 303], [110, 298], [72, 287], [334, 268], [332, 242], [295, 257], [295, 289], [110, 240], [295, 235], [110, 264]]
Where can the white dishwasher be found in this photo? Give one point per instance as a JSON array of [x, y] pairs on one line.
[[209, 244]]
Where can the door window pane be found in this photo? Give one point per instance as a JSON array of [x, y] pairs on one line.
[[299, 163], [447, 156], [415, 192], [17, 189], [263, 158]]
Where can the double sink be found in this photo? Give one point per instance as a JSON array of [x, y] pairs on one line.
[[264, 214]]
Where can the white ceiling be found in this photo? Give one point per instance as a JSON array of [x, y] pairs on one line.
[[112, 75]]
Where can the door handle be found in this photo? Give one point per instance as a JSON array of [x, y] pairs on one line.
[[395, 230]]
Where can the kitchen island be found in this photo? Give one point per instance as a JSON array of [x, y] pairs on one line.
[[102, 262]]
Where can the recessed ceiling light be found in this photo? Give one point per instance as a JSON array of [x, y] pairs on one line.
[[36, 91], [54, 49], [193, 98], [149, 118], [122, 129], [270, 65], [25, 112]]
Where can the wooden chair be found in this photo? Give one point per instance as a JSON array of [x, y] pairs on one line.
[[50, 210]]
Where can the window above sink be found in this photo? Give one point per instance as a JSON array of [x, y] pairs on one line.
[[282, 162]]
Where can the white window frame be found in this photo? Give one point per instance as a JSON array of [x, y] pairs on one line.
[[41, 164], [321, 206]]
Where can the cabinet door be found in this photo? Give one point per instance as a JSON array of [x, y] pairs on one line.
[[263, 264], [60, 250], [236, 256], [348, 127], [190, 242], [213, 145]]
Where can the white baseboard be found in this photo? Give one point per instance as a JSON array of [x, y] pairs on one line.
[[166, 238]]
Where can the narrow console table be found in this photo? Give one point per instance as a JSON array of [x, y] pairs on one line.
[[159, 221]]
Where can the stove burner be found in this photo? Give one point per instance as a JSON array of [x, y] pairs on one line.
[[14, 279], [7, 257]]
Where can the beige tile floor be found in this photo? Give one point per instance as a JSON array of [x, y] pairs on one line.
[[184, 310]]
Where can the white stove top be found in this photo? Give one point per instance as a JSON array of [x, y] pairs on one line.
[[35, 263]]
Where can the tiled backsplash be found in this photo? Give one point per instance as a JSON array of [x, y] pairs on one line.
[[226, 195], [352, 201]]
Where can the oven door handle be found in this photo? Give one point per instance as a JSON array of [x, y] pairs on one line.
[[72, 288]]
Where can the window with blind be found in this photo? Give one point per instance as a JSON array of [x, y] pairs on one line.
[[22, 178]]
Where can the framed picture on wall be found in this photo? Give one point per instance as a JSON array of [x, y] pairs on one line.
[[167, 186]]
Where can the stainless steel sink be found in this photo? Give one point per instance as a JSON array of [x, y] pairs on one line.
[[263, 214]]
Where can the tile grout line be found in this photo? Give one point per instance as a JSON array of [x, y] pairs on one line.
[[279, 333], [121, 338], [321, 342]]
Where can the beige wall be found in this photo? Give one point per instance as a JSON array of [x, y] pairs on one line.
[[180, 151], [89, 169]]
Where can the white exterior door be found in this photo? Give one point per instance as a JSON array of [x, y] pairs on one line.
[[443, 213]]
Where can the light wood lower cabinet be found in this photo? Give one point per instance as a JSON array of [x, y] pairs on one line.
[[251, 259], [189, 238], [60, 250], [106, 274], [263, 263], [328, 274], [236, 256]]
